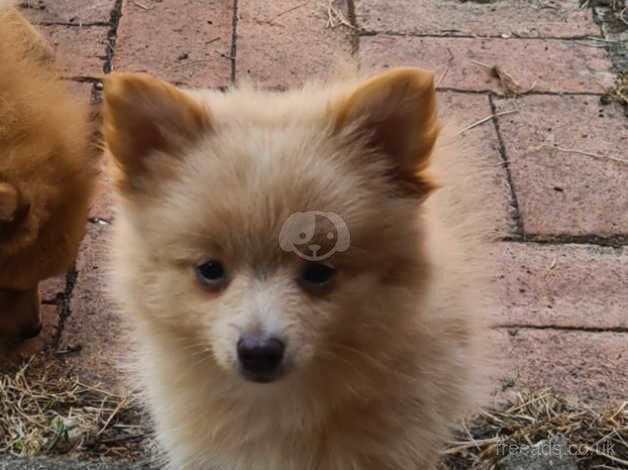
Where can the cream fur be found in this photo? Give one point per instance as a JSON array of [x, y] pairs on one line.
[[382, 366]]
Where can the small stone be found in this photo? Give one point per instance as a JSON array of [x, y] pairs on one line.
[[68, 434], [549, 454], [183, 56], [507, 382]]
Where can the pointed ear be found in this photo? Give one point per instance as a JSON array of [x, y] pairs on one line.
[[396, 112], [143, 116], [9, 202]]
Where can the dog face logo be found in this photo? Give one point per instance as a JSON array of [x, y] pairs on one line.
[[299, 229]]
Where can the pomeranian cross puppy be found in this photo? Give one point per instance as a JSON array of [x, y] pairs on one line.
[[47, 170], [303, 296]]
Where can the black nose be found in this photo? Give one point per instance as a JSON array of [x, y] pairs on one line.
[[260, 357], [31, 331]]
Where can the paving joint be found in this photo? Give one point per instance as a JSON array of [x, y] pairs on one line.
[[448, 35], [65, 306], [355, 31], [514, 202], [93, 24], [234, 42], [612, 241], [519, 95], [582, 329], [82, 79], [112, 35]]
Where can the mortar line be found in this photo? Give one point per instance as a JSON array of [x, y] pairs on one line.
[[234, 42], [613, 241], [583, 329], [506, 164], [93, 24], [582, 37], [65, 308], [355, 32], [112, 35], [530, 93]]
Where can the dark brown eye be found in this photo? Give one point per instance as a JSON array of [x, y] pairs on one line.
[[316, 274], [211, 273]]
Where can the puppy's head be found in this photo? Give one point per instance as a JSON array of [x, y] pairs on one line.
[[272, 235]]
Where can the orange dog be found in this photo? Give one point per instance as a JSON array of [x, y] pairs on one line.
[[46, 174]]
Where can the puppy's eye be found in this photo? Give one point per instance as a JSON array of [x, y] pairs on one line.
[[211, 273], [317, 274]]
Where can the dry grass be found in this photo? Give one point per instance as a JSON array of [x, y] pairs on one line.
[[45, 412], [597, 439], [619, 92]]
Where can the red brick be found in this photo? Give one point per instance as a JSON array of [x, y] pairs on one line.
[[93, 324], [80, 91], [461, 110], [575, 286], [80, 50], [287, 42], [591, 367], [51, 288], [549, 65], [567, 193], [68, 11], [183, 41], [517, 18]]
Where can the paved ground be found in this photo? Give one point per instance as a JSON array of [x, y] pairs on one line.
[[555, 138]]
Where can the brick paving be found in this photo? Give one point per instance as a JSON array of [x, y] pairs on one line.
[[562, 208]]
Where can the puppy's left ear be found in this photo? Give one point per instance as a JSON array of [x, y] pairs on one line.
[[144, 117], [396, 112]]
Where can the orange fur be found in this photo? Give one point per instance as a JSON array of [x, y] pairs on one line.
[[382, 361], [47, 170]]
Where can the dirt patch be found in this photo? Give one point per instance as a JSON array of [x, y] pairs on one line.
[[612, 17]]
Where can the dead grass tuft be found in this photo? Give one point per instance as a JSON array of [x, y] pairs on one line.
[[43, 411], [597, 439], [619, 92]]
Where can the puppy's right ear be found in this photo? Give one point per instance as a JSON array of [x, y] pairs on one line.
[[143, 117], [9, 202]]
